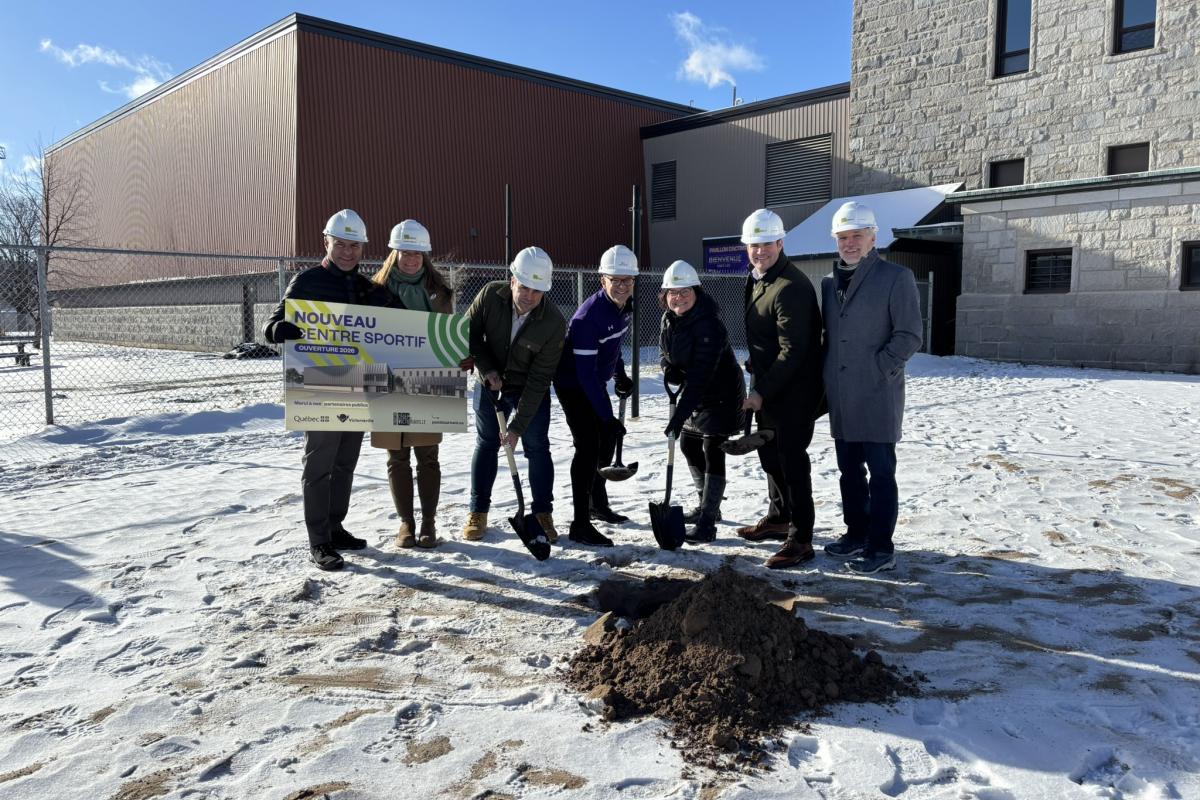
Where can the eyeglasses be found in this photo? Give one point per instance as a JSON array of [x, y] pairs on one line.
[[678, 292], [619, 281]]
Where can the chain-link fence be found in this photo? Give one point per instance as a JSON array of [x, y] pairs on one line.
[[95, 334]]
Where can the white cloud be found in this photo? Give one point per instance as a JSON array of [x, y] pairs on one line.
[[148, 72], [29, 164], [711, 56]]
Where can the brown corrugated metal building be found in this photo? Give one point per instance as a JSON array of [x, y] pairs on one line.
[[252, 150], [706, 172]]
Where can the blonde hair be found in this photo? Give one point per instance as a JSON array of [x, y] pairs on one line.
[[434, 280]]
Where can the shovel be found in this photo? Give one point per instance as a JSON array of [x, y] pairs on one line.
[[747, 442], [619, 471], [533, 536], [666, 520]]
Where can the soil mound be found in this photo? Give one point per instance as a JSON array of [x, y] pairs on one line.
[[727, 668]]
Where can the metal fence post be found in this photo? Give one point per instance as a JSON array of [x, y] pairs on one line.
[[282, 277], [44, 316], [579, 288]]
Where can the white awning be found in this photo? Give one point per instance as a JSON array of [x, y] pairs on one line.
[[900, 209]]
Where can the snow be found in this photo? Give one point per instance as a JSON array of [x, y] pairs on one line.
[[163, 634], [902, 208]]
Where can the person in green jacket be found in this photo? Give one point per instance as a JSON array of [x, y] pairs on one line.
[[516, 340]]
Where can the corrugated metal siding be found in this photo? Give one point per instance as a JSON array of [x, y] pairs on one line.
[[207, 167], [394, 135], [721, 173]]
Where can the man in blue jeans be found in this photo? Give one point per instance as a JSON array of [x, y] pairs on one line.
[[872, 319], [516, 339]]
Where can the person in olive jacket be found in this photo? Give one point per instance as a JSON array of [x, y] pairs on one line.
[[329, 456], [516, 339], [783, 334], [696, 353]]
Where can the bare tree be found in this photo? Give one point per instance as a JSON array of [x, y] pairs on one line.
[[49, 205]]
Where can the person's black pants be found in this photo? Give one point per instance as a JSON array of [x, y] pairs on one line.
[[329, 461], [789, 472], [870, 506], [594, 448], [704, 452]]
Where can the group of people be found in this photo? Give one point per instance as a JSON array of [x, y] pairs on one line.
[[848, 360]]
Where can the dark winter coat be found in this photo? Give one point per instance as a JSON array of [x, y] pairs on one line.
[[331, 284], [868, 338], [528, 364], [592, 355], [783, 333], [697, 345]]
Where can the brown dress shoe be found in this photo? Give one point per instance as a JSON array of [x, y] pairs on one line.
[[764, 529], [790, 555]]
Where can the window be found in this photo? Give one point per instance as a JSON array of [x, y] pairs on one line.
[[1134, 28], [1047, 271], [662, 190], [1006, 173], [1013, 21], [1191, 266], [799, 171], [1129, 158]]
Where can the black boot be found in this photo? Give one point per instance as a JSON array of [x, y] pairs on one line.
[[585, 533], [710, 510], [606, 514], [325, 557], [344, 540], [692, 515]]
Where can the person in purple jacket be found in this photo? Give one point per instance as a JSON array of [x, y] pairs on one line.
[[591, 358]]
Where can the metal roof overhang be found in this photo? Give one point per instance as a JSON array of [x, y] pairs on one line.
[[950, 232]]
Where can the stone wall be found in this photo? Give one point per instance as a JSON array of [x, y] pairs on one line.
[[1125, 309], [925, 109], [204, 328]]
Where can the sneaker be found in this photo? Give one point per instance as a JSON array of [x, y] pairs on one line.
[[609, 516], [790, 555], [325, 557], [870, 563], [476, 526], [846, 546], [342, 539], [764, 529], [547, 523], [406, 537], [586, 533]]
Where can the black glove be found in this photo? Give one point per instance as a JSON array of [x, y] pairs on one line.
[[613, 428], [674, 376], [749, 365], [623, 385], [285, 331], [674, 427]]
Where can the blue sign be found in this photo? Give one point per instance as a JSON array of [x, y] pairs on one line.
[[725, 254]]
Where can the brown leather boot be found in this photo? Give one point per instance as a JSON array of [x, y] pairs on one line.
[[793, 553], [429, 486], [401, 484], [764, 529], [407, 537]]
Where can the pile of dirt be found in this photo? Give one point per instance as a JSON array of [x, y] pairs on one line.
[[727, 668]]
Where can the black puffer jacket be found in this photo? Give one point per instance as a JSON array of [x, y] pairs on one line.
[[332, 284], [697, 345]]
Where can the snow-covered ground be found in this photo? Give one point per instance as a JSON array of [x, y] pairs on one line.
[[163, 634]]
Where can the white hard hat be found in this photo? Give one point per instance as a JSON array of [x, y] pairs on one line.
[[347, 225], [410, 235], [680, 275], [618, 260], [532, 268], [852, 216], [763, 225]]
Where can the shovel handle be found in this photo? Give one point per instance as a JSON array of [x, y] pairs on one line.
[[621, 438]]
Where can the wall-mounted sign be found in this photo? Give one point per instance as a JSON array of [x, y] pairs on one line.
[[725, 254]]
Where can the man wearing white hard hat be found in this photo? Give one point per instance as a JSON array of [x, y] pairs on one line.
[[783, 334], [329, 456], [872, 327], [516, 340], [592, 358]]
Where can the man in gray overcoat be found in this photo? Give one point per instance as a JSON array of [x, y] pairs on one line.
[[872, 318]]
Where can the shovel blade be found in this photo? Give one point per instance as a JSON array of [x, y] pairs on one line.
[[747, 444], [532, 535], [667, 524], [622, 472]]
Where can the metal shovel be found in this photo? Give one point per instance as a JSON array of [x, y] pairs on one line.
[[532, 535], [619, 471], [748, 442], [666, 520]]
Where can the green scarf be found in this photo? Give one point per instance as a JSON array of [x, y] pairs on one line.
[[410, 289]]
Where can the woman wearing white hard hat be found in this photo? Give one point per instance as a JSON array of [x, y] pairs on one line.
[[696, 353], [329, 456], [415, 284]]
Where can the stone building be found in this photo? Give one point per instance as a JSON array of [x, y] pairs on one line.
[[1074, 129]]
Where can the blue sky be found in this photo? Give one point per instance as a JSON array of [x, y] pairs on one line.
[[64, 64]]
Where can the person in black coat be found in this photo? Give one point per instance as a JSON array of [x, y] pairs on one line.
[[696, 353]]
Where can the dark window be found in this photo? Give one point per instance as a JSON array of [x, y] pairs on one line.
[[1012, 36], [1007, 173], [1129, 158], [800, 171], [1191, 266], [1135, 25], [662, 190], [1047, 271]]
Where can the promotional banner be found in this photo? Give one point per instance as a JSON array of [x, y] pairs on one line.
[[361, 368]]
